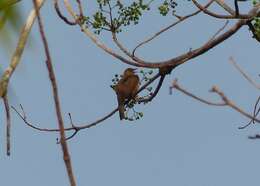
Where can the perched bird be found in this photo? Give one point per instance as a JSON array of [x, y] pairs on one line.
[[126, 88]]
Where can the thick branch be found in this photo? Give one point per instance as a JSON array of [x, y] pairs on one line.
[[174, 61]]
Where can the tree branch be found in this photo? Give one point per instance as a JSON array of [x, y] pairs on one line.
[[216, 90], [225, 6], [8, 125], [66, 155], [16, 57], [181, 19], [174, 61], [176, 86], [254, 84], [220, 16], [225, 99], [77, 128], [64, 18]]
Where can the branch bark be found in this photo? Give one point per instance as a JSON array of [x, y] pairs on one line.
[[66, 155]]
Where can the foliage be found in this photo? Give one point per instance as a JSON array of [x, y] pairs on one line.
[[10, 14], [256, 21], [113, 16], [166, 6]]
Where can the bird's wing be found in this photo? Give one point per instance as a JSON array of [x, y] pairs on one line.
[[133, 84]]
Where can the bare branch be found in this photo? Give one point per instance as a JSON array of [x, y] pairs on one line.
[[254, 114], [232, 61], [66, 155], [178, 87], [8, 125], [204, 48], [220, 16], [123, 49], [220, 30], [96, 41], [29, 124], [81, 14], [174, 61], [215, 89], [80, 126], [226, 101], [150, 98], [24, 118], [181, 19], [236, 8], [16, 57], [65, 19], [225, 6], [257, 136]]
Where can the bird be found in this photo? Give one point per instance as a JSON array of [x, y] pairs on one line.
[[126, 88]]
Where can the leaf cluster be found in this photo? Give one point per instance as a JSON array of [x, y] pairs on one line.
[[256, 22], [166, 6], [113, 15]]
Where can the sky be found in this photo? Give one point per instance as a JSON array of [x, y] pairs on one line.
[[179, 141]]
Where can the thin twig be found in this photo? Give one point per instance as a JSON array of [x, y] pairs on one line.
[[254, 114], [81, 14], [66, 155], [29, 124], [8, 126], [76, 130], [179, 88], [24, 118], [150, 98], [64, 18], [181, 19], [215, 89], [80, 126], [236, 8], [257, 136], [233, 62], [226, 100], [218, 31]]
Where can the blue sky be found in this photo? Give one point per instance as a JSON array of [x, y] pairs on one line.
[[178, 142]]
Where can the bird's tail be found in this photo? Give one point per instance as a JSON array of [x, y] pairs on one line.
[[121, 108]]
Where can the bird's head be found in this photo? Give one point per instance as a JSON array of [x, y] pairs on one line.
[[129, 71]]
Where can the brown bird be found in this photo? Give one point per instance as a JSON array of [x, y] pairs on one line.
[[126, 88]]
